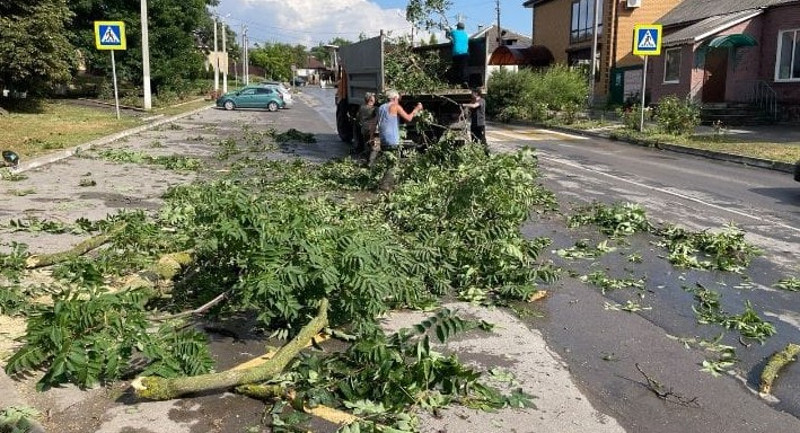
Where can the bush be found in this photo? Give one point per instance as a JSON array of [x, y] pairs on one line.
[[631, 117], [534, 95], [678, 116]]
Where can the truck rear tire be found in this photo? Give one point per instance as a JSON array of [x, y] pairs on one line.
[[344, 126]]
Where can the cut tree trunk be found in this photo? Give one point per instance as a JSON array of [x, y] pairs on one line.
[[82, 248], [774, 365], [156, 388]]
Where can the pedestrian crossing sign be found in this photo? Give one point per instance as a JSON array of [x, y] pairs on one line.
[[109, 35], [647, 40]]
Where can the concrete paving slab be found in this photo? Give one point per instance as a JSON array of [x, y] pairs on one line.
[[561, 407]]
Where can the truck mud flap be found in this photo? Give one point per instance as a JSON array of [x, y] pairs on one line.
[[344, 125]]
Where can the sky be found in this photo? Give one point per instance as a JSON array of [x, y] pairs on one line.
[[309, 22]]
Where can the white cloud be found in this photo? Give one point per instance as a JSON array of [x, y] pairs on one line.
[[309, 22]]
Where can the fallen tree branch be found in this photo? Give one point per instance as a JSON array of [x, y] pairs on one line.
[[270, 392], [156, 388], [776, 362], [666, 394], [199, 310], [42, 260]]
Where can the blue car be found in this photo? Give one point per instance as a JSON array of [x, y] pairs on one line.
[[252, 97]]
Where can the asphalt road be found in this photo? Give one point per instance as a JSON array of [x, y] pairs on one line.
[[603, 347]]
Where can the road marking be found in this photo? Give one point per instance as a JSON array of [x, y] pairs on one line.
[[525, 133], [672, 193], [648, 187]]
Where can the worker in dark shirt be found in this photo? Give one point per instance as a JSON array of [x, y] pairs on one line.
[[460, 53], [478, 116]]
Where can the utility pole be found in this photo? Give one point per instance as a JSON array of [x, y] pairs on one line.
[[244, 61], [148, 101], [216, 60], [499, 30], [593, 63], [225, 53], [247, 54]]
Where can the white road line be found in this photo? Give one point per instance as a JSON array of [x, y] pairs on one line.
[[512, 132], [672, 193], [648, 187]]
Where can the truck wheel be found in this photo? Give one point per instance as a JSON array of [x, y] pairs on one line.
[[343, 124]]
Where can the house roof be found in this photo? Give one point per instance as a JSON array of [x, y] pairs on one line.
[[534, 3], [690, 11], [490, 33], [535, 55], [708, 27]]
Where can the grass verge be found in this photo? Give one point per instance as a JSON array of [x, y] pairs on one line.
[[59, 124], [772, 151]]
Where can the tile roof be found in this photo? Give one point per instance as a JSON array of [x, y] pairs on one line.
[[708, 27], [690, 11]]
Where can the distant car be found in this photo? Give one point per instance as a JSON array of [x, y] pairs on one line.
[[299, 81], [287, 95], [797, 171], [252, 97]]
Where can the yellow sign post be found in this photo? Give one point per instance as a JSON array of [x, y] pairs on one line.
[[110, 36], [646, 43]]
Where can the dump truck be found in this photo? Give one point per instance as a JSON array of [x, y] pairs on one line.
[[361, 70]]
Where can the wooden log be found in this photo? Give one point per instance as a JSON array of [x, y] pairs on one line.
[[156, 388], [777, 361], [82, 248]]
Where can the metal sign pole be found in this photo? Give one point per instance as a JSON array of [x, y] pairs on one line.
[[644, 86], [114, 73]]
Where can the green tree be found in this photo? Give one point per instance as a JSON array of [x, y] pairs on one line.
[[35, 54], [277, 59], [429, 14], [177, 30]]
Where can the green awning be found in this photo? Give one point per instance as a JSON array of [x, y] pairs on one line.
[[733, 41]]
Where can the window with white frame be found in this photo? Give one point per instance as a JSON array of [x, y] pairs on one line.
[[672, 65], [787, 66]]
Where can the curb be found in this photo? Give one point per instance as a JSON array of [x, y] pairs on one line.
[[710, 154], [102, 141]]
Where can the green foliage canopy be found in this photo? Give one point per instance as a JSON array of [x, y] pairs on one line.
[[35, 53]]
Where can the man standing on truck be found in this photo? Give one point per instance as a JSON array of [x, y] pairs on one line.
[[460, 51]]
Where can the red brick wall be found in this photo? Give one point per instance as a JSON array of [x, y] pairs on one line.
[[744, 63], [745, 66], [655, 77], [776, 20]]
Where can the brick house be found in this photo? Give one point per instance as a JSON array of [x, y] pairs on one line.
[[566, 28], [731, 52]]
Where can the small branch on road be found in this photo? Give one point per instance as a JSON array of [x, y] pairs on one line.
[[667, 394]]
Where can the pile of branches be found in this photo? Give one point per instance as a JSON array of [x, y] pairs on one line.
[[411, 71], [303, 248]]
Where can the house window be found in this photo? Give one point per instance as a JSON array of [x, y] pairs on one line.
[[582, 24], [787, 66], [672, 65]]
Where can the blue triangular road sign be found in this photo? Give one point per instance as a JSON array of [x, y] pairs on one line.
[[648, 42], [110, 37]]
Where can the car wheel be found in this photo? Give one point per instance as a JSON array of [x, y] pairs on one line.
[[272, 106], [229, 105]]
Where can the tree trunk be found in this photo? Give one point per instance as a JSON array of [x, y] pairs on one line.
[[156, 388], [774, 365], [78, 250]]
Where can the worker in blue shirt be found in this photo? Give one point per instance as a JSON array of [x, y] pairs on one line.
[[460, 40]]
